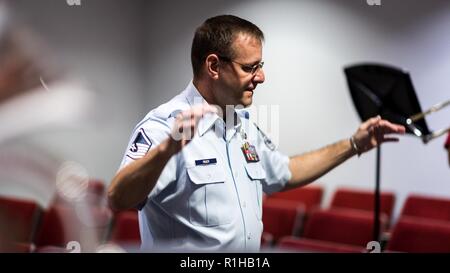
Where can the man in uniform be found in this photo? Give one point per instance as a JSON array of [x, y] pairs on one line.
[[205, 192]]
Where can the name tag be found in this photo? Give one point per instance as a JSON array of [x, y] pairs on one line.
[[204, 162]]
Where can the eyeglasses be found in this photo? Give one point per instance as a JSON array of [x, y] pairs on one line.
[[252, 69]]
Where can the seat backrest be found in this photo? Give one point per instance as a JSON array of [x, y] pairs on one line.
[[415, 235], [62, 224], [363, 200], [282, 217], [427, 207], [19, 218], [125, 229], [310, 196], [341, 226]]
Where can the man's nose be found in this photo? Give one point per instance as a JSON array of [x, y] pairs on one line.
[[259, 76]]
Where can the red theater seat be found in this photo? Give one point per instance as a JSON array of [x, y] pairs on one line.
[[282, 217], [416, 235], [427, 207], [363, 200], [309, 196], [62, 224], [125, 228], [337, 230], [19, 219], [341, 226]]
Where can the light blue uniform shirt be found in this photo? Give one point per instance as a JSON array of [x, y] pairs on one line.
[[208, 197]]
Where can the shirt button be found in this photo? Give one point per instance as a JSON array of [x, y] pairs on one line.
[[244, 204], [235, 174], [209, 176], [249, 236]]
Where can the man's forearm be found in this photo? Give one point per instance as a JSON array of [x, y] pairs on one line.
[[308, 167], [132, 184]]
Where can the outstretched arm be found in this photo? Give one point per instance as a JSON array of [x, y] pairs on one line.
[[308, 167]]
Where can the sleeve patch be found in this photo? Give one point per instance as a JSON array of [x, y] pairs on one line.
[[140, 145]]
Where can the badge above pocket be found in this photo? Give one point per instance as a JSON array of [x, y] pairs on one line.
[[206, 174]]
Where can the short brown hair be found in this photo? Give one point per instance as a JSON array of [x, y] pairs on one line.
[[216, 35]]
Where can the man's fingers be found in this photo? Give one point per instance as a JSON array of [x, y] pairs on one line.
[[199, 111], [196, 112], [187, 121], [385, 127], [375, 131], [370, 123], [389, 127], [209, 109]]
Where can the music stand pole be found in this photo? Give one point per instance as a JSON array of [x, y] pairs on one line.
[[376, 226]]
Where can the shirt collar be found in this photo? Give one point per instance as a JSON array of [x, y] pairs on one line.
[[194, 97]]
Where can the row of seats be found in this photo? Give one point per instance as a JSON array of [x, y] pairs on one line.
[[295, 220], [26, 227], [351, 236]]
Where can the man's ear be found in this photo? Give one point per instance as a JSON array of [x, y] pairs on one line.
[[212, 66]]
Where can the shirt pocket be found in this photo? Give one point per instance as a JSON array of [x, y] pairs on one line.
[[209, 196], [256, 175]]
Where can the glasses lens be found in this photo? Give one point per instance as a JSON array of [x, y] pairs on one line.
[[256, 67]]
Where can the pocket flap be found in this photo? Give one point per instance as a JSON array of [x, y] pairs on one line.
[[255, 171], [206, 174]]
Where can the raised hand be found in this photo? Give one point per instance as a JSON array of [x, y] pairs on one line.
[[374, 132], [186, 124]]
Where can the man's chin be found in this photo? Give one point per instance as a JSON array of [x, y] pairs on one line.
[[247, 102], [247, 98]]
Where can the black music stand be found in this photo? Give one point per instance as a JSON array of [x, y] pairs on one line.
[[378, 89]]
